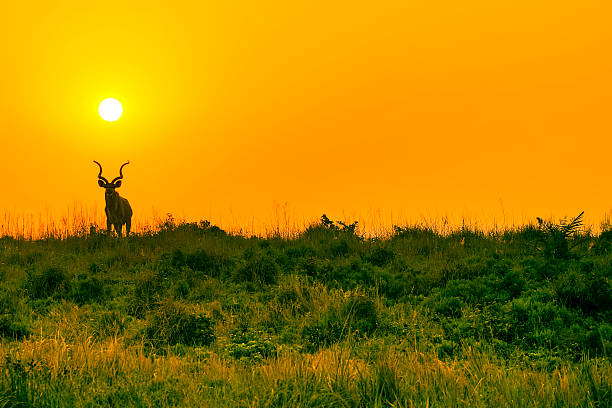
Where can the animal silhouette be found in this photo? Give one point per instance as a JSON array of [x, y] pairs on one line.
[[118, 210]]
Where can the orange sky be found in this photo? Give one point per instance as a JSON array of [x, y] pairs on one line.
[[414, 108]]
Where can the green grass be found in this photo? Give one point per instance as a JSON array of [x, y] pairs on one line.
[[188, 315]]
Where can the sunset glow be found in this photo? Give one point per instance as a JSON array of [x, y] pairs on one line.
[[238, 112]]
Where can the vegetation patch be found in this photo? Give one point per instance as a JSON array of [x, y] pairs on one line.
[[174, 323], [189, 315]]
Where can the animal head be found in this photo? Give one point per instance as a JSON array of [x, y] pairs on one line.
[[110, 187]]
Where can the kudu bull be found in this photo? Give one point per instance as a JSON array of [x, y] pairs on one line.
[[118, 210]]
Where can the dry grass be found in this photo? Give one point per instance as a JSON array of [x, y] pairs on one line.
[[333, 376], [77, 220]]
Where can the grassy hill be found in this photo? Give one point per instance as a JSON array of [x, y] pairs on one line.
[[188, 315]]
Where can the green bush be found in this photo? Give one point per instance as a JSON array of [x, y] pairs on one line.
[[107, 323], [201, 261], [173, 323], [361, 312], [86, 289], [13, 314], [258, 269], [323, 333], [513, 284], [315, 267], [21, 259], [149, 290], [299, 251], [446, 306], [476, 291], [352, 272], [588, 291], [205, 261], [51, 281], [181, 289], [603, 243], [382, 388], [339, 248], [380, 256], [250, 345], [530, 323], [358, 317]]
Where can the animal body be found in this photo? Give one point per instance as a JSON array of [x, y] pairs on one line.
[[118, 210]]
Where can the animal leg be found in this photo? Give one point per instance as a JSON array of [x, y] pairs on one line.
[[109, 226], [118, 228], [128, 227]]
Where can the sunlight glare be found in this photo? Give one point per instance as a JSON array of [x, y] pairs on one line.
[[110, 109]]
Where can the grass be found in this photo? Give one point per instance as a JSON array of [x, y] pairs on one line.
[[187, 315]]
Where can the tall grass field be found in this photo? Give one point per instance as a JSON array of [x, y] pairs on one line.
[[189, 315]]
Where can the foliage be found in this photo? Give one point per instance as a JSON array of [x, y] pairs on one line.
[[588, 290], [335, 227], [86, 289], [556, 237], [380, 256], [48, 282], [173, 323], [250, 345], [361, 313], [188, 315], [13, 321], [258, 268], [324, 333]]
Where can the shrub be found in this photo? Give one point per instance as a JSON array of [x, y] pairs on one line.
[[308, 265], [294, 296], [382, 387], [357, 317], [602, 244], [247, 344], [380, 256], [323, 333], [173, 323], [394, 284], [148, 292], [181, 289], [12, 317], [259, 269], [49, 282], [476, 291], [174, 263], [361, 313], [531, 324], [352, 272], [201, 261], [339, 248], [513, 284], [446, 348], [211, 263], [588, 291], [446, 306], [23, 259], [170, 264], [94, 268], [299, 251], [315, 267], [86, 289], [555, 238], [327, 229], [107, 323]]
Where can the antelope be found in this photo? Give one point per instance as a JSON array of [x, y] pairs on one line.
[[118, 210]]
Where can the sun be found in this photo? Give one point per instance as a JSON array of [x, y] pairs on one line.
[[110, 109]]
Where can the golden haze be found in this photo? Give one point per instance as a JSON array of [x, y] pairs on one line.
[[489, 110]]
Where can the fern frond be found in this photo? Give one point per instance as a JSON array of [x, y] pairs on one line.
[[573, 226]]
